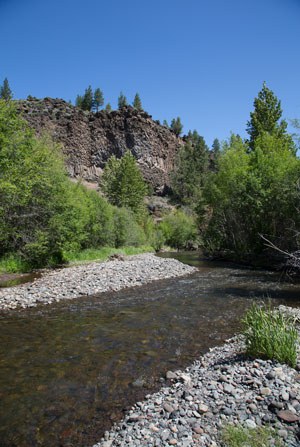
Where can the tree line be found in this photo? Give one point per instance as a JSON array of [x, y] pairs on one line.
[[245, 191]]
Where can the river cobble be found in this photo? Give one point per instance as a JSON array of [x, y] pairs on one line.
[[222, 387], [91, 279]]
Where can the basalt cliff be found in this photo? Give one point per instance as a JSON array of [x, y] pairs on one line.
[[90, 139]]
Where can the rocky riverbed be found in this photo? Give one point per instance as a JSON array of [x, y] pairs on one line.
[[223, 387], [91, 279]]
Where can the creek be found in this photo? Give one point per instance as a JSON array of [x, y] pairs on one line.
[[71, 369]]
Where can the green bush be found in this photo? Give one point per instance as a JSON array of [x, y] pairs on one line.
[[238, 436], [127, 230], [178, 229], [271, 335]]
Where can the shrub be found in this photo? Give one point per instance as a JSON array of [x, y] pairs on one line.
[[270, 335], [127, 230], [178, 229]]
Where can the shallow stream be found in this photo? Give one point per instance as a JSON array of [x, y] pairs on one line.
[[70, 369]]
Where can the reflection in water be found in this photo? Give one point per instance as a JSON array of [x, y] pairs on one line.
[[69, 370]]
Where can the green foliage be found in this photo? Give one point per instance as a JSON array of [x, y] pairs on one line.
[[122, 101], [108, 107], [265, 117], [123, 183], [176, 126], [12, 263], [127, 230], [191, 166], [253, 193], [43, 215], [102, 254], [90, 100], [87, 100], [98, 99], [5, 91], [271, 335], [78, 101], [137, 103], [238, 436], [165, 123], [178, 229]]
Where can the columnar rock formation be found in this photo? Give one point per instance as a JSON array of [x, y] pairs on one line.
[[89, 139]]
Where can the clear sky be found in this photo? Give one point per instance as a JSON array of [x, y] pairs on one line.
[[202, 60]]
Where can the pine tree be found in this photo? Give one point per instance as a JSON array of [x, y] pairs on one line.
[[122, 101], [5, 91], [165, 123], [78, 101], [191, 167], [215, 154], [216, 147], [108, 107], [98, 99], [137, 103], [265, 117], [176, 126], [87, 100]]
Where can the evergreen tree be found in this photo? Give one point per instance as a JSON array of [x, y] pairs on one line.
[[78, 101], [137, 103], [265, 117], [165, 123], [215, 153], [216, 147], [98, 99], [191, 167], [176, 126], [87, 100], [5, 91], [122, 101], [108, 107]]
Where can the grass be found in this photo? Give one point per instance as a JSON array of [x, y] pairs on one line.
[[238, 436], [13, 264], [270, 335], [104, 253]]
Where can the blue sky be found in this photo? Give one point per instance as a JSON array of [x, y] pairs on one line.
[[202, 60]]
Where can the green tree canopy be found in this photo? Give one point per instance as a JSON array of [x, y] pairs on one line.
[[98, 99], [5, 91], [108, 107], [87, 100], [191, 166], [137, 103], [123, 183], [176, 126], [253, 194], [78, 101], [122, 101], [265, 117]]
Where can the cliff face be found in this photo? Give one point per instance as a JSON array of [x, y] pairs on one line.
[[89, 139]]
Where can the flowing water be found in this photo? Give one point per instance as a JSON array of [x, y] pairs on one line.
[[69, 370]]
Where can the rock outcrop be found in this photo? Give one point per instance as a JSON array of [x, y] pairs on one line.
[[90, 139]]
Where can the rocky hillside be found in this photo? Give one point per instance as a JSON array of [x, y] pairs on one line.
[[89, 139]]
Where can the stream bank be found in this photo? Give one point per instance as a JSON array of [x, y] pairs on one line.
[[222, 387], [92, 278], [71, 369]]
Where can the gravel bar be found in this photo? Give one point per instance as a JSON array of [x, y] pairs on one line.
[[222, 387], [91, 279]]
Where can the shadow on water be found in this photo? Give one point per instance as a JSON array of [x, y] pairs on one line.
[[69, 370]]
